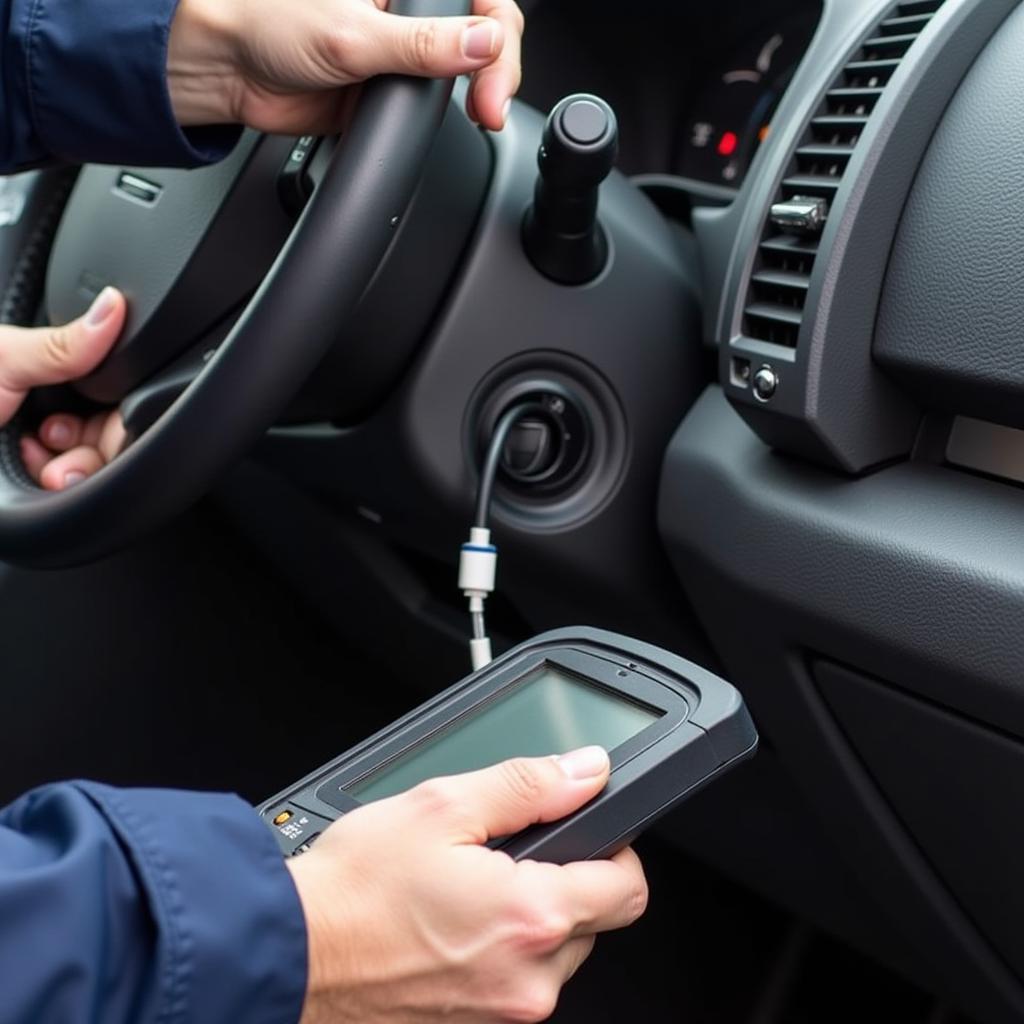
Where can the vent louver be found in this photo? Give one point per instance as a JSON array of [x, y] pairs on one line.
[[779, 283]]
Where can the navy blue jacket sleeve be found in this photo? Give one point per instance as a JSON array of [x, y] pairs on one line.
[[85, 81], [145, 906]]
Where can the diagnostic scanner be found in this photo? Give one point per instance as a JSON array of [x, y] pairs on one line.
[[669, 726]]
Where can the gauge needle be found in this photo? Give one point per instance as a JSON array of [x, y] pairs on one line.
[[732, 77], [767, 54]]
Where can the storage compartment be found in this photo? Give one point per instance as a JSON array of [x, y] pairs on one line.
[[957, 785]]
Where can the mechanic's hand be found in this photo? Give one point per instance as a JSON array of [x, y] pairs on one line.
[[67, 449], [283, 69], [411, 918]]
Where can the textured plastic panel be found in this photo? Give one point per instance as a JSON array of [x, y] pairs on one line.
[[958, 787], [923, 561], [914, 573], [953, 311]]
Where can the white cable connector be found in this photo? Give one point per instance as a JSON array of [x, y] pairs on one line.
[[478, 568], [480, 652], [478, 564]]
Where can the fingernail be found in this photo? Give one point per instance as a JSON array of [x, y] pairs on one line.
[[506, 110], [586, 763], [60, 434], [478, 41], [102, 307], [74, 477]]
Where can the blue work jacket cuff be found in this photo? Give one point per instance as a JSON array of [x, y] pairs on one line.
[[232, 935], [95, 76]]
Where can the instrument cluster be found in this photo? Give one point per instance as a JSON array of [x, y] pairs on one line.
[[694, 84]]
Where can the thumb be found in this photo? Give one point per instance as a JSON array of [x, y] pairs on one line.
[[515, 794], [431, 47], [35, 357]]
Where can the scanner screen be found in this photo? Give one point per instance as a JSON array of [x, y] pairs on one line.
[[548, 712]]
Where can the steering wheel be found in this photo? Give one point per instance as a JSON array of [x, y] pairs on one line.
[[283, 333]]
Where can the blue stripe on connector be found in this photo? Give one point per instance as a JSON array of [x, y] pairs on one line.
[[490, 549]]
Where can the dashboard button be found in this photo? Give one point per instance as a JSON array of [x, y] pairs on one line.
[[766, 383], [584, 122]]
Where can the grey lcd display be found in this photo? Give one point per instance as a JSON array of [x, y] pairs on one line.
[[550, 712]]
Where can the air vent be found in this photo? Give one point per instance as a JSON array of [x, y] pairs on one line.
[[781, 277]]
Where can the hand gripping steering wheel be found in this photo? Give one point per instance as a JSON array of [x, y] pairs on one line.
[[284, 331]]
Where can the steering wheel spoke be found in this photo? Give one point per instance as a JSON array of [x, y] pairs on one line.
[[142, 407]]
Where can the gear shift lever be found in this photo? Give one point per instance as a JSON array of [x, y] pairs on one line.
[[561, 235]]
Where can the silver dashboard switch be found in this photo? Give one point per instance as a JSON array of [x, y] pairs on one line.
[[805, 215]]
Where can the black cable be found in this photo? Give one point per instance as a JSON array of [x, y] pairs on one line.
[[492, 460]]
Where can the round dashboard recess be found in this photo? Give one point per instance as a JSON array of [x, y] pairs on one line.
[[594, 434]]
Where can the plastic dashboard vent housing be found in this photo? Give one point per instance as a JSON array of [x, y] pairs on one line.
[[781, 276]]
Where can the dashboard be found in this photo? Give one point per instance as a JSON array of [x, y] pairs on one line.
[[695, 85], [843, 506]]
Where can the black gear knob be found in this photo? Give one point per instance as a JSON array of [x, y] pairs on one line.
[[561, 234]]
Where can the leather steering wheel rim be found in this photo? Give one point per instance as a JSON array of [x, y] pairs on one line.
[[280, 338]]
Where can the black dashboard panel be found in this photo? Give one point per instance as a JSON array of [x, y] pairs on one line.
[[907, 575], [694, 84], [955, 806], [950, 324], [913, 575]]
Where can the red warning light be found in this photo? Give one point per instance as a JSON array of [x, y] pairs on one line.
[[728, 144]]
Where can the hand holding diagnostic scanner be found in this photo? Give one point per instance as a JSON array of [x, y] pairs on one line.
[[669, 726]]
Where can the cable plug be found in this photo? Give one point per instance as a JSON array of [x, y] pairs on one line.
[[478, 564], [478, 569], [478, 559], [480, 655]]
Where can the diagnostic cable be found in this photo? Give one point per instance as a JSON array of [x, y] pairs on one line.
[[478, 558]]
